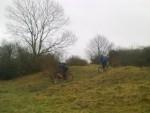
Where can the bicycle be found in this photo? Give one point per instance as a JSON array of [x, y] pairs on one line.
[[58, 77], [102, 69], [99, 68]]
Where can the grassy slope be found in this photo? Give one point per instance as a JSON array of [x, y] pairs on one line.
[[120, 90]]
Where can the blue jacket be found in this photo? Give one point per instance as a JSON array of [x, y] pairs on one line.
[[63, 67], [103, 59]]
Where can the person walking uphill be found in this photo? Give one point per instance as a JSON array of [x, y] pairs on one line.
[[63, 68], [104, 61]]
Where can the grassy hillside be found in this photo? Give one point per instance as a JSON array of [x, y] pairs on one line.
[[120, 90]]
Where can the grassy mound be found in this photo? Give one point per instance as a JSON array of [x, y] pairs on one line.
[[119, 90]]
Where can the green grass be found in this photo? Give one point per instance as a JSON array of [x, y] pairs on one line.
[[119, 90]]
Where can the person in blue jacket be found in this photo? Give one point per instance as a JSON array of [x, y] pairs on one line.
[[104, 61], [63, 68]]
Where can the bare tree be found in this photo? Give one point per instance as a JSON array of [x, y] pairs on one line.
[[38, 22], [98, 46]]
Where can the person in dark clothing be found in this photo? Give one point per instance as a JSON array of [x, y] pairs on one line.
[[104, 61], [63, 68]]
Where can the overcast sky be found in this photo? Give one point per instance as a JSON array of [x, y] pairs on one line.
[[124, 22]]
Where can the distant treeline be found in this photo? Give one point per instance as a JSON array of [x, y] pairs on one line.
[[131, 57], [76, 61]]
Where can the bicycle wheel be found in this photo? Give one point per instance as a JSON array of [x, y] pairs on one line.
[[55, 77], [100, 69]]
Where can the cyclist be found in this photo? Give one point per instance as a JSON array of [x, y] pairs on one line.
[[104, 62], [63, 69]]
